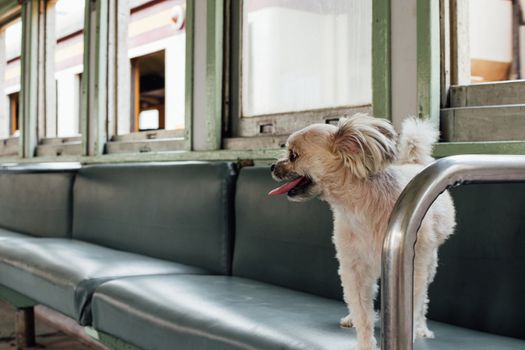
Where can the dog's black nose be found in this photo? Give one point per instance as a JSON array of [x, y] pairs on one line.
[[272, 167]]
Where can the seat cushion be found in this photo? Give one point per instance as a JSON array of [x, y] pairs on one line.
[[181, 212], [217, 312], [283, 243], [37, 201], [63, 274], [10, 234], [220, 312]]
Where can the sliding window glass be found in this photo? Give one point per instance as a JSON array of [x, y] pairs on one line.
[[301, 61], [10, 49], [64, 67], [156, 52]]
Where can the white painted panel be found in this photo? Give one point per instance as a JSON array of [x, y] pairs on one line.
[[4, 102], [175, 82], [13, 40], [149, 120], [68, 97], [491, 30], [522, 51], [200, 135]]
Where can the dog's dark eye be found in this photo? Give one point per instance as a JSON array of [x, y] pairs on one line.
[[293, 156]]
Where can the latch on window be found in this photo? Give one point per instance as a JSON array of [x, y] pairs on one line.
[[332, 121], [266, 129]]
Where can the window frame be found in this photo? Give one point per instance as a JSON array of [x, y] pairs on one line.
[[158, 140], [209, 120], [10, 145], [264, 131], [41, 138], [465, 103]]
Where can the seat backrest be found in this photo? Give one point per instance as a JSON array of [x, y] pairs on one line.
[[280, 242], [37, 200], [175, 211], [479, 282]]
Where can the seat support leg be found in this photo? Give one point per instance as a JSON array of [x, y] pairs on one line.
[[25, 327]]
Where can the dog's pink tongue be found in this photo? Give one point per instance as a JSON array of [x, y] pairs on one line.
[[286, 187]]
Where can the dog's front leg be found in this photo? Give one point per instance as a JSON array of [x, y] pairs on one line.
[[359, 287]]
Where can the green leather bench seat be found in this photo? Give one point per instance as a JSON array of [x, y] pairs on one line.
[[277, 244], [36, 200], [180, 212], [63, 274], [283, 243], [285, 292], [128, 220], [224, 313], [10, 234], [217, 312]]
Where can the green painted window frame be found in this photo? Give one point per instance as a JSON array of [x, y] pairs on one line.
[[457, 93], [96, 97], [212, 126], [163, 140], [47, 112], [249, 133], [9, 12]]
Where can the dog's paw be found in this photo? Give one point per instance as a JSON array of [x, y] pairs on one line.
[[346, 322], [423, 332]]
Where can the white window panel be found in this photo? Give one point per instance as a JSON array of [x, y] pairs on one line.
[[68, 105], [68, 66], [149, 120], [10, 49], [305, 55]]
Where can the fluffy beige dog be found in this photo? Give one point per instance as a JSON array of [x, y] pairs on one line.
[[360, 170]]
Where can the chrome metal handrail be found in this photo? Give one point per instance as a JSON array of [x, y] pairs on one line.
[[397, 273]]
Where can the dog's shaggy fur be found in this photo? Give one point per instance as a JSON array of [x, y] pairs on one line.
[[360, 169]]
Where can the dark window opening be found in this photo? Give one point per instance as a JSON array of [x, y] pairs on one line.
[[148, 92], [14, 114]]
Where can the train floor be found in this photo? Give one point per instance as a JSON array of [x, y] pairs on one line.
[[47, 336]]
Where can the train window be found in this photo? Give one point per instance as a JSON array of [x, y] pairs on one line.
[[299, 56], [10, 50], [148, 89], [69, 49], [483, 68], [491, 48], [156, 49], [60, 134]]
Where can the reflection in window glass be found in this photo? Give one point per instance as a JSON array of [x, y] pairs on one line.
[[157, 50], [9, 115], [305, 54], [490, 45], [149, 119], [69, 21]]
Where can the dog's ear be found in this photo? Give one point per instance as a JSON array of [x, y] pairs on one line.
[[365, 144]]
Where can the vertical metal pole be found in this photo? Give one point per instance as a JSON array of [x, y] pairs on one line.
[[25, 327]]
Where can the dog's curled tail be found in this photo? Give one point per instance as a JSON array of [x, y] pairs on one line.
[[416, 141]]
